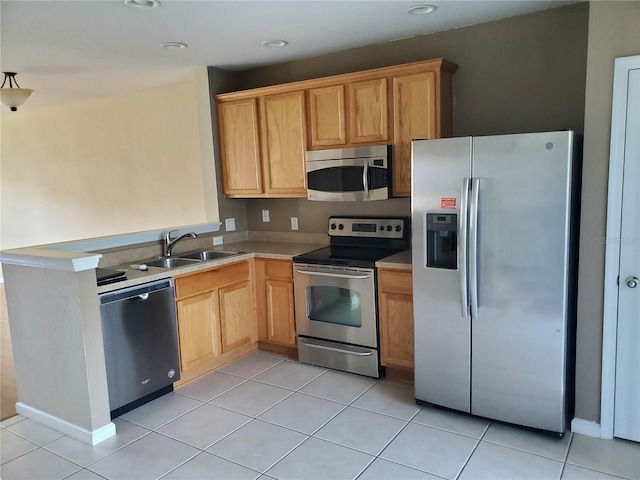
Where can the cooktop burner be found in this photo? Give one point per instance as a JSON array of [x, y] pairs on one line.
[[360, 241]]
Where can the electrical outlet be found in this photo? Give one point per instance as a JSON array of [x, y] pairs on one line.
[[217, 241], [294, 223], [230, 224], [265, 216]]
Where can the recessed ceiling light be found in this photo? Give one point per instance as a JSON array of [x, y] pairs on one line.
[[174, 45], [421, 9], [142, 3], [275, 43]]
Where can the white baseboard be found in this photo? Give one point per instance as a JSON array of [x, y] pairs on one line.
[[91, 437], [585, 427]]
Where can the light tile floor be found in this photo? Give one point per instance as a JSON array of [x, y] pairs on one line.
[[264, 416]]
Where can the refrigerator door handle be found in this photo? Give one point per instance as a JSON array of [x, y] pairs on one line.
[[473, 247], [463, 245]]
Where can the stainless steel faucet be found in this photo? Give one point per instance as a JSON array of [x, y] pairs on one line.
[[169, 242]]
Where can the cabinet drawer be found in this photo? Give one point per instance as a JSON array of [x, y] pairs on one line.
[[398, 281], [208, 280], [279, 269]]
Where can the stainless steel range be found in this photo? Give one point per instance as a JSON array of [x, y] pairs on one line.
[[335, 293]]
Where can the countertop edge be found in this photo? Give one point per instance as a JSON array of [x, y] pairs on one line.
[[399, 261], [137, 277], [50, 259]]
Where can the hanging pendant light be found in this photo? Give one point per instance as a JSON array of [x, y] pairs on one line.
[[14, 96]]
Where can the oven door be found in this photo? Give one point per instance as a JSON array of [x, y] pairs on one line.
[[336, 303]]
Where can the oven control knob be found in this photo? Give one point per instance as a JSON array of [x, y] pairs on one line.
[[398, 228], [388, 228], [381, 228], [341, 227], [333, 226]]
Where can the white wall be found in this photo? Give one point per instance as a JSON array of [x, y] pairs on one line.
[[105, 167], [613, 32]]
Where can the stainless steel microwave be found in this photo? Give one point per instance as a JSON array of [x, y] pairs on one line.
[[349, 174]]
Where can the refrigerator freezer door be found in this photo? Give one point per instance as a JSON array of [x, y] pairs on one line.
[[441, 331], [519, 335]]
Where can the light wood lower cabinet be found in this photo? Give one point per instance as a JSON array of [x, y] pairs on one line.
[[274, 302], [216, 317], [395, 303], [198, 330], [237, 315]]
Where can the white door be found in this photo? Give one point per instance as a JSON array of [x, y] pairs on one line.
[[627, 389]]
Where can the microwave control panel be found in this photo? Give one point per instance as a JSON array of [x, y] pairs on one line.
[[367, 227]]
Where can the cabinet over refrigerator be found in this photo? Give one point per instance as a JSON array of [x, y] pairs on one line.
[[494, 269]]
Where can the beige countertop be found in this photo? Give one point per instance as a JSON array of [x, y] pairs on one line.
[[399, 261], [252, 249]]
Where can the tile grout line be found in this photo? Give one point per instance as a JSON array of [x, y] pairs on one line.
[[233, 461], [107, 455], [478, 442]]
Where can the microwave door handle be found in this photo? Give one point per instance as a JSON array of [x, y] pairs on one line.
[[365, 179]]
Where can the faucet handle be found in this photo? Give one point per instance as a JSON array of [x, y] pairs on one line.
[[167, 236]]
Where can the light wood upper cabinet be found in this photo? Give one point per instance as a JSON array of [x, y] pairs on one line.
[[284, 134], [334, 123], [368, 117], [263, 131], [240, 147], [395, 300], [327, 116], [414, 117]]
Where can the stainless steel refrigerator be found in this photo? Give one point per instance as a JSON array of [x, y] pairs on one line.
[[494, 260]]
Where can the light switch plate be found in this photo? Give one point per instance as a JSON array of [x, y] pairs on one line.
[[294, 223], [217, 241], [265, 216], [230, 224]]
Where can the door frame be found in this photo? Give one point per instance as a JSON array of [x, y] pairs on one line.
[[612, 244]]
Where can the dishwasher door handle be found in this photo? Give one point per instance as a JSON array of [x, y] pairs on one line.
[[139, 298]]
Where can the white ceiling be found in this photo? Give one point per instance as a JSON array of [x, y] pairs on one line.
[[69, 50]]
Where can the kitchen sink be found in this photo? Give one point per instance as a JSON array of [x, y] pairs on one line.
[[171, 262], [208, 254]]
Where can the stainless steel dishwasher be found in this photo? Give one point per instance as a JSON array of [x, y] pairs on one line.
[[140, 343]]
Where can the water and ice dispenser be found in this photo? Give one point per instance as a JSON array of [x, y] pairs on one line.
[[442, 240]]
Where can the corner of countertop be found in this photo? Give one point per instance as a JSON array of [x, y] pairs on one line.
[[50, 259], [398, 261]]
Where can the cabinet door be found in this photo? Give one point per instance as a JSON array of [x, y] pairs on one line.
[[280, 317], [240, 148], [368, 111], [414, 117], [237, 318], [284, 144], [396, 318], [198, 330], [327, 116]]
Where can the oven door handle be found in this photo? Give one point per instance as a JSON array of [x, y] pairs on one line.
[[334, 275], [333, 349]]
